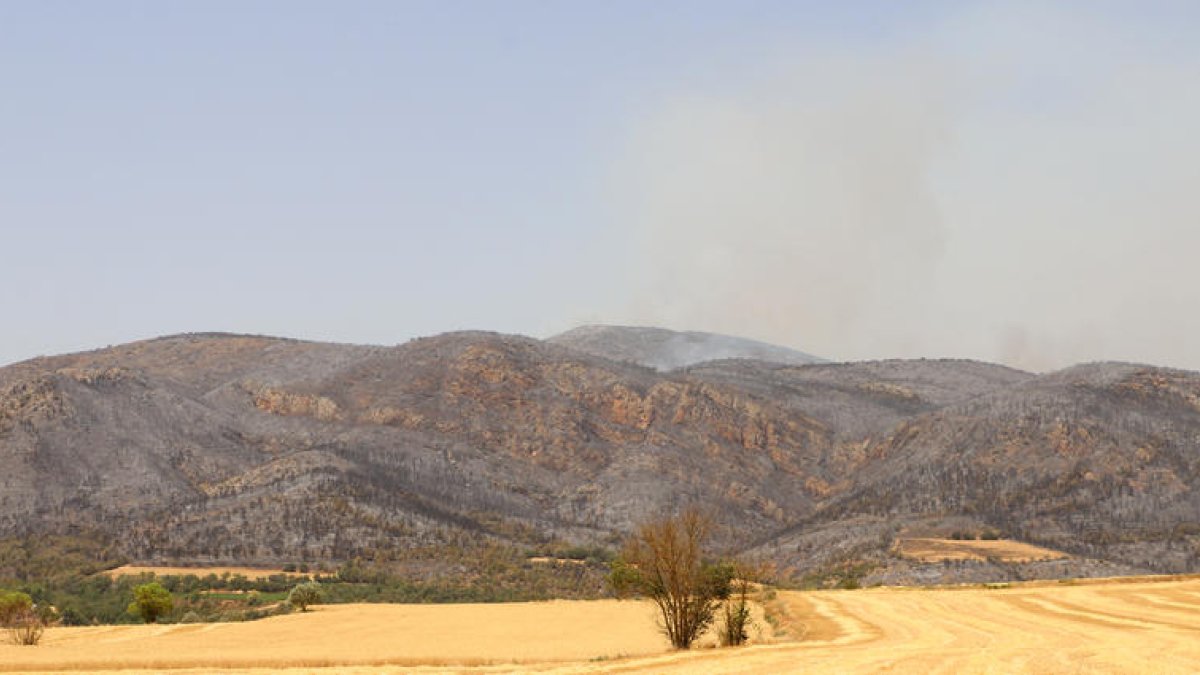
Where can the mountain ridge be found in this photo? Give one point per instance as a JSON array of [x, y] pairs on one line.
[[665, 350], [257, 449]]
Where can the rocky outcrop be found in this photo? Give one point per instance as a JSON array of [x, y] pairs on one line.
[[31, 402], [279, 402]]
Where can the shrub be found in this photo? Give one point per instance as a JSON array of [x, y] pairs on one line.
[[734, 628], [72, 617], [24, 620], [13, 605], [27, 627], [737, 622], [151, 602], [304, 595]]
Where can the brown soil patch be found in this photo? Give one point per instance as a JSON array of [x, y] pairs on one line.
[[1005, 550]]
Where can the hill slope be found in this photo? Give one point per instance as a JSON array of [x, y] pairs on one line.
[[262, 450], [259, 449], [663, 349]]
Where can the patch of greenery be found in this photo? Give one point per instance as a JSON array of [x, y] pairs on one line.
[[151, 602], [66, 573], [49, 557]]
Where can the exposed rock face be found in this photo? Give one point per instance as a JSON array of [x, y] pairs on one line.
[[30, 402], [280, 402], [259, 449]]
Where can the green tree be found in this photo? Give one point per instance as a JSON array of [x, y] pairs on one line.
[[151, 601], [24, 620], [664, 560], [28, 626], [736, 624], [13, 605], [303, 595]]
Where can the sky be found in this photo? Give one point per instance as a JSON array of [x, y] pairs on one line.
[[1013, 182]]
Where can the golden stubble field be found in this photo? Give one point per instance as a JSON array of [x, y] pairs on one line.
[[248, 572], [1118, 626], [1005, 550]]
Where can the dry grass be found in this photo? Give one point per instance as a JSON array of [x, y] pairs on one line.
[[359, 634], [1127, 626], [1122, 626], [1005, 550], [248, 572]]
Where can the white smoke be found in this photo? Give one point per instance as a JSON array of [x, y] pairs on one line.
[[1017, 185]]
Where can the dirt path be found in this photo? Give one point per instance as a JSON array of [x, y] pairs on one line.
[[1106, 628]]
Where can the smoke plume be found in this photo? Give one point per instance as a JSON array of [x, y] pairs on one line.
[[1017, 184]]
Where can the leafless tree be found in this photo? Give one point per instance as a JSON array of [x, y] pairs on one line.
[[665, 561]]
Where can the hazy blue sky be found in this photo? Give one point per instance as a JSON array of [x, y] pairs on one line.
[[1006, 181]]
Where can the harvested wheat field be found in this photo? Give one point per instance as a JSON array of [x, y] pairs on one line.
[[358, 634], [1004, 550], [248, 572], [1116, 626]]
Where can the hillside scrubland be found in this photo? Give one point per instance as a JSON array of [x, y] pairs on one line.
[[461, 456]]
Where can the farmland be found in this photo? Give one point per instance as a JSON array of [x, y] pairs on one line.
[[1004, 550], [248, 572], [1126, 625]]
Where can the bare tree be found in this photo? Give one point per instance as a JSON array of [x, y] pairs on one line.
[[664, 560]]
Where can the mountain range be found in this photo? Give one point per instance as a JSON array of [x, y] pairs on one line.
[[261, 450]]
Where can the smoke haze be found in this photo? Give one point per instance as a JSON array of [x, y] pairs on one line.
[[1017, 185], [1006, 181]]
